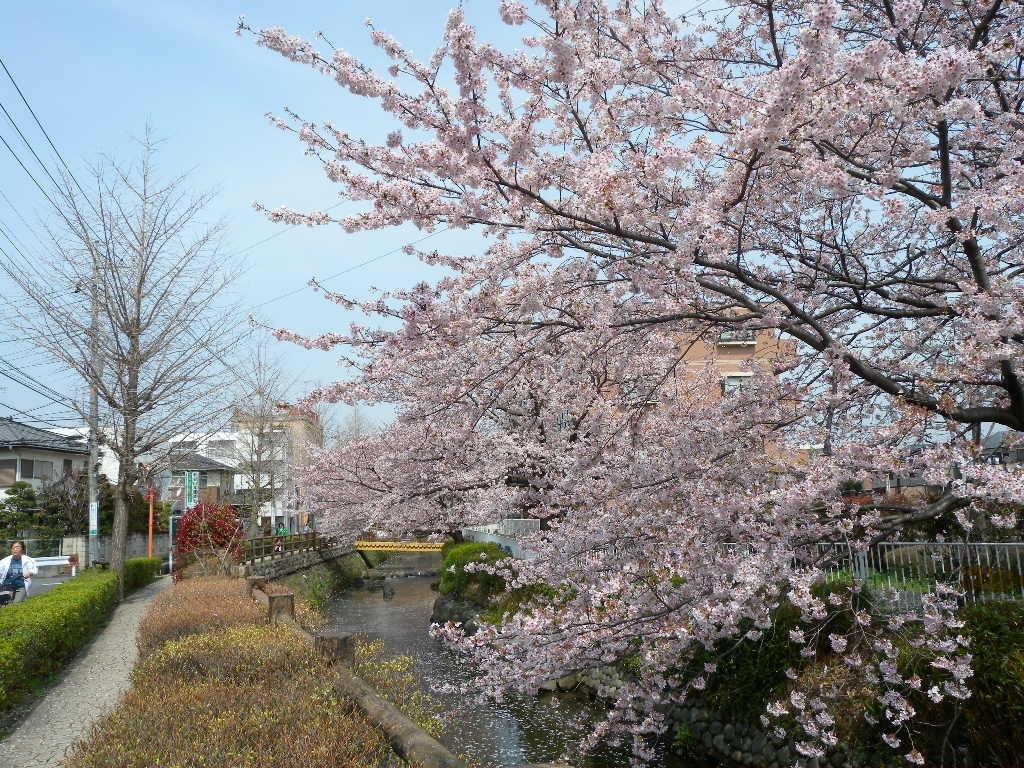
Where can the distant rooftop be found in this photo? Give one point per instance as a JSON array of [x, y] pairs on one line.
[[14, 434], [191, 461]]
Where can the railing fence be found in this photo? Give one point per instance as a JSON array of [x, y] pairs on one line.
[[262, 547], [900, 572]]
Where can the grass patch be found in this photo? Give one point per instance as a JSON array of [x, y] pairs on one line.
[[217, 686], [194, 606], [240, 696], [318, 584]]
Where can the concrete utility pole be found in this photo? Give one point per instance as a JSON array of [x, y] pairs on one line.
[[94, 417]]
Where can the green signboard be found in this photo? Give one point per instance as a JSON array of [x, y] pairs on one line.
[[191, 489]]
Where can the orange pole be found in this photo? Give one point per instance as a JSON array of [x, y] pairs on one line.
[[150, 494]]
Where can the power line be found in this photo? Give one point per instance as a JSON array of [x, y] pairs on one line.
[[28, 144], [48, 139], [40, 389], [27, 171], [282, 232], [38, 419], [354, 267], [36, 382]]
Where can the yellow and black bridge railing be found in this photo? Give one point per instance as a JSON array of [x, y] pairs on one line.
[[398, 546]]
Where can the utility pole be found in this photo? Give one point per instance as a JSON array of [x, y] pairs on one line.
[[150, 497], [94, 415]]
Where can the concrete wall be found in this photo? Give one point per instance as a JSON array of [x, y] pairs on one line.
[[137, 546]]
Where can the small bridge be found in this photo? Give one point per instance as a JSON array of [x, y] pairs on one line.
[[398, 546]]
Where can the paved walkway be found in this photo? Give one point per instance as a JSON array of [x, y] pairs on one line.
[[89, 688]]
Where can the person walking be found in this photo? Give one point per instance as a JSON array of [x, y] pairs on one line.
[[16, 572]]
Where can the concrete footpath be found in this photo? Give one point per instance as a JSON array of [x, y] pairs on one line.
[[88, 689]]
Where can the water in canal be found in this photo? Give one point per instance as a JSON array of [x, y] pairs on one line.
[[515, 732]]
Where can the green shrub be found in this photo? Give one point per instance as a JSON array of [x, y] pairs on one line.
[[140, 571], [993, 715], [475, 586], [319, 583], [520, 599], [751, 673], [41, 634]]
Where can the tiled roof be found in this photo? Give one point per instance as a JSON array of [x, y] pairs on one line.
[[14, 434], [180, 462]]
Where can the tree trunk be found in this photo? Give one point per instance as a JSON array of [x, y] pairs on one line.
[[119, 540]]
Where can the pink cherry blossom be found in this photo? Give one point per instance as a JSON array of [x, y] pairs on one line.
[[837, 181]]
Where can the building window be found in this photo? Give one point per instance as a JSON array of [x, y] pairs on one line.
[[34, 469], [734, 382], [221, 449], [67, 467], [178, 479], [8, 471]]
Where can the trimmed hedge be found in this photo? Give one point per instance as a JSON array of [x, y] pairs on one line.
[[216, 686], [140, 571], [41, 634], [194, 606]]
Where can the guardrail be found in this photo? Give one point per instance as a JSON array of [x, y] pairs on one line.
[[513, 526], [505, 534], [263, 547], [59, 562], [900, 572]]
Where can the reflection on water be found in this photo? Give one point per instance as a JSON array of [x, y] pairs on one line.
[[515, 732]]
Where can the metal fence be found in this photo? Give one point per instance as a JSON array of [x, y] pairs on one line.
[[898, 573], [504, 533], [33, 547], [136, 545]]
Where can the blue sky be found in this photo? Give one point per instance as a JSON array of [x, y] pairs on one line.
[[95, 71]]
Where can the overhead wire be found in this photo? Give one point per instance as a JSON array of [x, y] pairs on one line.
[[352, 268], [28, 415], [47, 135]]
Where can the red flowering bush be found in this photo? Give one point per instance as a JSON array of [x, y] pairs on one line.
[[208, 535]]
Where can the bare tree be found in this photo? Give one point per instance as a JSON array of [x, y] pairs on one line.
[[261, 444], [67, 498], [130, 299], [355, 425]]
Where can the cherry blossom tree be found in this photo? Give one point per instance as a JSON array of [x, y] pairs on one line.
[[842, 174]]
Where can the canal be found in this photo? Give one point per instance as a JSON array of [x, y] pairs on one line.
[[518, 731]]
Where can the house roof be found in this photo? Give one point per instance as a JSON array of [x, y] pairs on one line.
[[1001, 439], [191, 461], [14, 434]]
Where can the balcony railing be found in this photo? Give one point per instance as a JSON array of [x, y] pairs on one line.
[[738, 336]]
